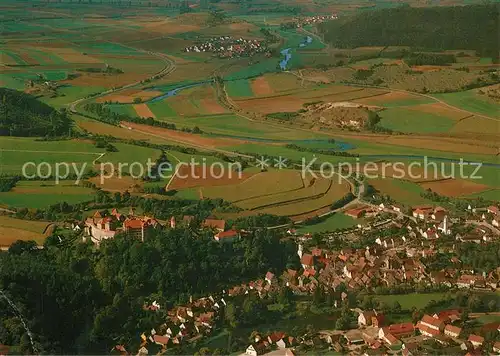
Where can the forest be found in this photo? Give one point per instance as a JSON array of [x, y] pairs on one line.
[[78, 299], [473, 27], [23, 115]]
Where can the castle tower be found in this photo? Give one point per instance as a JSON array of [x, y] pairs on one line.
[[172, 222], [300, 251]]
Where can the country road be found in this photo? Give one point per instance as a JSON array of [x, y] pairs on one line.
[[169, 68]]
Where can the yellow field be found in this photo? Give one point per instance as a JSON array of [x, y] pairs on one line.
[[12, 229]]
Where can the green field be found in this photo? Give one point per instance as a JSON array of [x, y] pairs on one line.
[[42, 197], [469, 100], [333, 222], [239, 88], [417, 100], [402, 191], [122, 109], [162, 109], [411, 121], [15, 152]]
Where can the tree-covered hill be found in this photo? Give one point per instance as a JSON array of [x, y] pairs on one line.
[[76, 299], [22, 114], [472, 27]]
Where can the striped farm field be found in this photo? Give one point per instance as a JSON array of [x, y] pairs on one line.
[[195, 101], [441, 110], [260, 184], [312, 189], [337, 191], [404, 192], [128, 96], [471, 101], [293, 102], [143, 110], [395, 99], [12, 229], [455, 187], [413, 121], [40, 194], [476, 124]]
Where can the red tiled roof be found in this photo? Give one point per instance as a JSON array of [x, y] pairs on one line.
[[307, 259], [453, 329], [276, 336], [391, 338], [161, 339], [269, 275], [425, 329], [227, 234], [214, 223], [133, 224], [476, 338], [403, 328], [493, 209], [427, 319]]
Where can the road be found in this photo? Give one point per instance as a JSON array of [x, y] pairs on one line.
[[169, 68]]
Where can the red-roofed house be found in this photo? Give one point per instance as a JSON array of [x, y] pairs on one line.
[[229, 235], [397, 330], [275, 337], [448, 315], [493, 210], [452, 331], [391, 339], [432, 323], [476, 340], [422, 212], [426, 330], [355, 213], [307, 261], [496, 347], [161, 340], [216, 224], [269, 277]]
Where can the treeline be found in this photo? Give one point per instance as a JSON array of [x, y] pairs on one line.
[[24, 115], [169, 267], [105, 114], [472, 27], [8, 182], [321, 151], [438, 59], [285, 115], [349, 197]]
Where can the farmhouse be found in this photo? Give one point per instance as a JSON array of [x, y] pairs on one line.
[[218, 225], [493, 210], [476, 340], [452, 331], [422, 212], [227, 236], [398, 330]]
